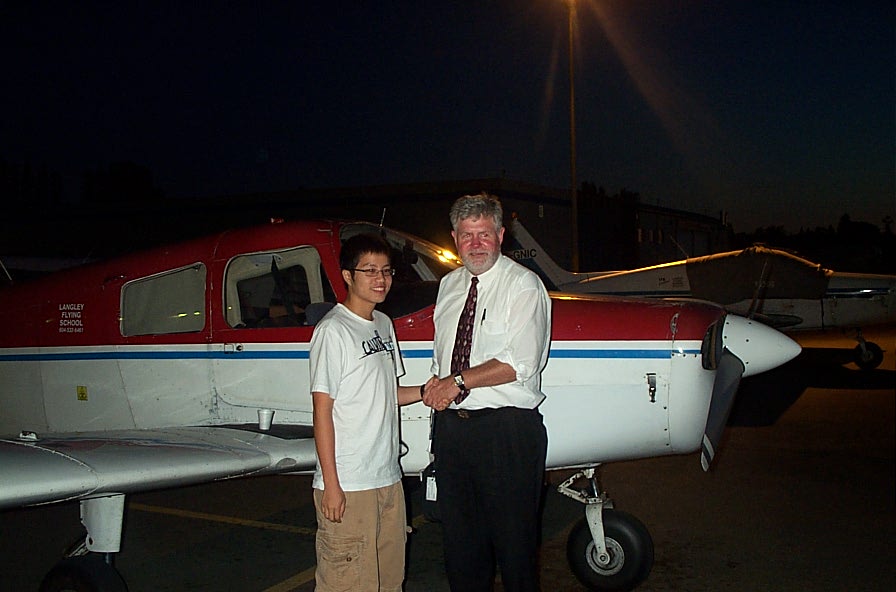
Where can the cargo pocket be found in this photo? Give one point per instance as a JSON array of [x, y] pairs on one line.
[[339, 563]]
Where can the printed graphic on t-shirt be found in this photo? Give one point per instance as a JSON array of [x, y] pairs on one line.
[[377, 344]]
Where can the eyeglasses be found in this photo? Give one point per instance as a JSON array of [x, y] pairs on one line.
[[373, 273]]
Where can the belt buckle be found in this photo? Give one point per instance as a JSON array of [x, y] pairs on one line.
[[463, 414]]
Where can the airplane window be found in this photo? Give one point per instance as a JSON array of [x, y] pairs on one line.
[[170, 302], [276, 289]]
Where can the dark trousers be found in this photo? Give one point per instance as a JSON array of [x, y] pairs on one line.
[[490, 474]]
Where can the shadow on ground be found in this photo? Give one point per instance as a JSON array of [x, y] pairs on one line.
[[762, 399]]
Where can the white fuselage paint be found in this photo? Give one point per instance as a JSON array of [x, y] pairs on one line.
[[598, 406]]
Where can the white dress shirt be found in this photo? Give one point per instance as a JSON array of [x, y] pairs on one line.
[[513, 324]]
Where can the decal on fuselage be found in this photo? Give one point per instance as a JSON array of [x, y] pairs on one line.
[[70, 320]]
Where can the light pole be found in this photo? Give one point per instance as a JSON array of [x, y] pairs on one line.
[[573, 194]]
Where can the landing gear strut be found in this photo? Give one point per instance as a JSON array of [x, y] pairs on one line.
[[867, 355], [608, 550], [87, 566]]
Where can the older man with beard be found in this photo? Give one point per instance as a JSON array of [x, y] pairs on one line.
[[492, 321]]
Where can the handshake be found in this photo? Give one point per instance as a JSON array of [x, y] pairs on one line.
[[438, 393]]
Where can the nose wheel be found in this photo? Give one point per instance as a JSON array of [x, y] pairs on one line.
[[867, 355], [608, 550], [628, 558]]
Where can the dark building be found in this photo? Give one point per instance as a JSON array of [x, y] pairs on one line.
[[615, 231]]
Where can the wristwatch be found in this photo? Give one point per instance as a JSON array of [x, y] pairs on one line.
[[459, 381]]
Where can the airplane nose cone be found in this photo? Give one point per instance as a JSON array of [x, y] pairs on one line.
[[758, 346]]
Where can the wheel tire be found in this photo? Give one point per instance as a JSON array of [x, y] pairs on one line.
[[868, 357], [630, 548], [83, 574]]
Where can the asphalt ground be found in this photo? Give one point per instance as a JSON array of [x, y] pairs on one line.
[[802, 497]]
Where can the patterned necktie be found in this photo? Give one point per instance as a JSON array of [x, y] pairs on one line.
[[463, 340]]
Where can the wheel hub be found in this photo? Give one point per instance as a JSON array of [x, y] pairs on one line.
[[614, 563]]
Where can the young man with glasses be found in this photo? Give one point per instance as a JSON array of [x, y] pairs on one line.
[[358, 496]]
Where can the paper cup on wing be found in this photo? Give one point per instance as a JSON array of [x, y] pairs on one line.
[[265, 417]]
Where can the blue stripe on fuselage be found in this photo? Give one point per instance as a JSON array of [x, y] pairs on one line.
[[303, 355]]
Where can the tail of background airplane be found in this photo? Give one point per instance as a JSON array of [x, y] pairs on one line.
[[524, 249]]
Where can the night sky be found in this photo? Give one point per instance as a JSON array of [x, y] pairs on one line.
[[780, 113]]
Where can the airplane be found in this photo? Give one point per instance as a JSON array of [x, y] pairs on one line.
[[151, 371], [778, 288]]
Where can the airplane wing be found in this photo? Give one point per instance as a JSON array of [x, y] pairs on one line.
[[778, 321], [38, 470]]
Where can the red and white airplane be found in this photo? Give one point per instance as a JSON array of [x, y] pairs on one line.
[[149, 371], [773, 286]]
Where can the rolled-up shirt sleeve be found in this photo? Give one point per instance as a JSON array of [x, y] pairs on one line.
[[526, 329]]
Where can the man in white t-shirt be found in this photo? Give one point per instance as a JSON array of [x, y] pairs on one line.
[[358, 496]]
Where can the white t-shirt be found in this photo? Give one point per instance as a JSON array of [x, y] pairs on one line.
[[357, 363]]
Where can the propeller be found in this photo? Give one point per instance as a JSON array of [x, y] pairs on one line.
[[735, 348], [728, 374]]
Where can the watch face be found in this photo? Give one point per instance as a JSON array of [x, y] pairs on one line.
[[459, 380]]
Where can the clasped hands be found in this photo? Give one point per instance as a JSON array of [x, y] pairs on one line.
[[438, 393]]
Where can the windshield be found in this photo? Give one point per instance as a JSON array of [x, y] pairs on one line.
[[419, 265]]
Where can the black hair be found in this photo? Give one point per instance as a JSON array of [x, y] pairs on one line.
[[356, 246]]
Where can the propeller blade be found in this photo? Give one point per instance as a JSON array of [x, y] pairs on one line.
[[728, 375]]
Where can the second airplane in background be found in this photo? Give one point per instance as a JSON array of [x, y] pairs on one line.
[[773, 286]]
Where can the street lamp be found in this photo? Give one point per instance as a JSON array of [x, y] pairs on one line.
[[573, 194]]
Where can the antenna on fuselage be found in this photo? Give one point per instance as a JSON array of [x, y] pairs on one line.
[[6, 271]]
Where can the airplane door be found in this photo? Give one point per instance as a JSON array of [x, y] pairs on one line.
[[273, 374], [272, 300]]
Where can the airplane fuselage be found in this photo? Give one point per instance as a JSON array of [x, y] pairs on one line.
[[595, 387], [155, 340]]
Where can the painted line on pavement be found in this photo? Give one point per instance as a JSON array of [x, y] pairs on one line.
[[224, 519], [306, 576], [287, 585], [294, 582]]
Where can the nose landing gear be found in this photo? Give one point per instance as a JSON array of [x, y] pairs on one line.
[[608, 550]]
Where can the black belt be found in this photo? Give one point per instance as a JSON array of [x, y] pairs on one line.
[[471, 413]]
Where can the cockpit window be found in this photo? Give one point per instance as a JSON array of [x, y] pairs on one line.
[[169, 302], [413, 257], [277, 289]]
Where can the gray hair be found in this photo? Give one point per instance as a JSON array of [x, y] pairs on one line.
[[474, 206]]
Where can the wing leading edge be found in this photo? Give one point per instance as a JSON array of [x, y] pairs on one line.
[[62, 467]]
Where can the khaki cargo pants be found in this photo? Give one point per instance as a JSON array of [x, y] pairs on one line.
[[365, 552]]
